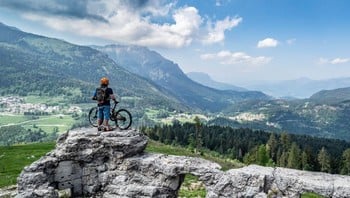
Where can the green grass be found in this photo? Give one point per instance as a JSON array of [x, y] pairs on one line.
[[14, 158], [48, 123], [13, 118], [311, 195], [187, 191]]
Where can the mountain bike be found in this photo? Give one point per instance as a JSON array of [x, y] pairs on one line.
[[120, 118]]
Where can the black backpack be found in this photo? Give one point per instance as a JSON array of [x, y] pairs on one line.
[[101, 94]]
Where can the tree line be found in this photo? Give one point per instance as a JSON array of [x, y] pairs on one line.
[[257, 146]]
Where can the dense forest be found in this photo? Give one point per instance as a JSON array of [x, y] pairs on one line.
[[257, 146]]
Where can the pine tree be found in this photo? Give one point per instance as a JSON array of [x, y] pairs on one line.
[[199, 141], [294, 157], [285, 141], [305, 161], [282, 162], [262, 156], [272, 146], [278, 155], [191, 142], [346, 162], [251, 156], [324, 160]]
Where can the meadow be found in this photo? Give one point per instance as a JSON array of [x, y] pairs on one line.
[[47, 123], [14, 158]]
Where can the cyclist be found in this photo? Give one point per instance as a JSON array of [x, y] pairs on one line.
[[103, 95]]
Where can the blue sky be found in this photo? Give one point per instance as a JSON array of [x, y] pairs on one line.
[[234, 41]]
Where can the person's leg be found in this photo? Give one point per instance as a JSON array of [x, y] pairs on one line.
[[106, 112], [99, 117]]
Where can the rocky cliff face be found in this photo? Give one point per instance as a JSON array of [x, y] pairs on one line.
[[86, 163]]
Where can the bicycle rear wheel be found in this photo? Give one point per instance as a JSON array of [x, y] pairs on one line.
[[123, 119], [113, 122], [93, 116]]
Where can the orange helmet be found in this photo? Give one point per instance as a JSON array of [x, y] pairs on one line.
[[104, 81]]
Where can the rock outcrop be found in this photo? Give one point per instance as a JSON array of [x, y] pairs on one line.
[[86, 163]]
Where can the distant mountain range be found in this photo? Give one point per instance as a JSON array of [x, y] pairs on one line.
[[206, 80], [298, 88], [167, 74], [289, 89]]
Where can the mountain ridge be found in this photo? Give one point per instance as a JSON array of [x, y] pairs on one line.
[[168, 75], [41, 65], [298, 88], [339, 95]]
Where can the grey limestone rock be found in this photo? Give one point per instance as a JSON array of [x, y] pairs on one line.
[[86, 163]]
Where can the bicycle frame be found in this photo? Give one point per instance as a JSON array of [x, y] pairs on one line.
[[121, 117]]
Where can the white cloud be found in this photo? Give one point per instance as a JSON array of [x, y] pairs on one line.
[[334, 61], [151, 23], [339, 60], [268, 42], [232, 58], [216, 32]]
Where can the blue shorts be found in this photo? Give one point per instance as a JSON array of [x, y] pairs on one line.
[[103, 112]]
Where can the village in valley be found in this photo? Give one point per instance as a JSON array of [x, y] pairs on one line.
[[17, 105], [16, 111]]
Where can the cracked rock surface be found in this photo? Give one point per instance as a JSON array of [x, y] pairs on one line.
[[113, 164]]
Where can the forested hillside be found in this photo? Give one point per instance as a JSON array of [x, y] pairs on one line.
[[341, 95], [259, 147], [33, 64], [297, 116]]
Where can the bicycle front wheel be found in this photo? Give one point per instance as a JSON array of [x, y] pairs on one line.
[[93, 116], [123, 119]]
